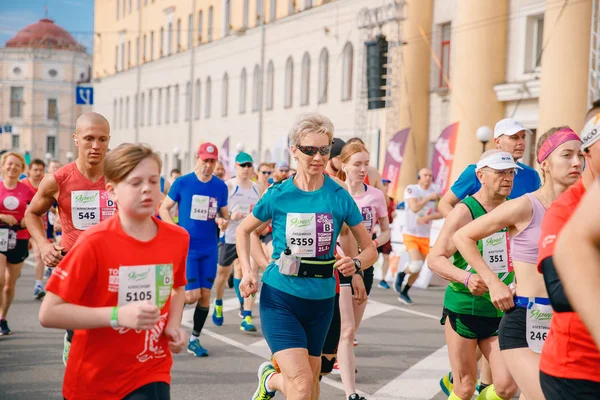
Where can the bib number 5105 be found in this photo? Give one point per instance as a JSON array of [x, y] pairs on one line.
[[138, 296]]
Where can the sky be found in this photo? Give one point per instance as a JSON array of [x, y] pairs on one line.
[[75, 16]]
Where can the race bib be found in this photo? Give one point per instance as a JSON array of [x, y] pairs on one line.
[[309, 234], [204, 208], [244, 209], [145, 282], [90, 207], [4, 239], [495, 253], [538, 325], [368, 217]]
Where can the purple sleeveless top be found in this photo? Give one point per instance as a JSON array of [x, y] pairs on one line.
[[524, 246]]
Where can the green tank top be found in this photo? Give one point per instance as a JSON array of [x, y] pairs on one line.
[[458, 298]]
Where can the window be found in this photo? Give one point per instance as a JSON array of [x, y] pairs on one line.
[[291, 6], [243, 86], [16, 142], [176, 105], [348, 59], [200, 27], [245, 15], [256, 89], [305, 88], [159, 108], [162, 42], [116, 58], [150, 110], [52, 110], [323, 75], [289, 83], [137, 50], [168, 105], [170, 38], [142, 109], [198, 94], [270, 82], [127, 113], [53, 73], [135, 110], [210, 24], [151, 45], [118, 9], [121, 113], [144, 54], [273, 9], [122, 43], [307, 4], [191, 31], [178, 35], [16, 102], [227, 27], [129, 6], [124, 8], [114, 118], [259, 11], [225, 95], [51, 145], [188, 100], [534, 43], [128, 54], [445, 30], [207, 99]]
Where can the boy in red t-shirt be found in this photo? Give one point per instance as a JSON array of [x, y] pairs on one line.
[[122, 288]]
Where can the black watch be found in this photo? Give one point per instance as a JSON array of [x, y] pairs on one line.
[[357, 265]]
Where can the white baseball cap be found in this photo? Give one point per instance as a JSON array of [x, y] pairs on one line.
[[500, 161], [509, 127], [591, 132]]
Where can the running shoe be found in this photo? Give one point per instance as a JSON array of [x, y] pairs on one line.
[[66, 348], [195, 349], [4, 329], [265, 371], [398, 283], [246, 325], [355, 342], [447, 384], [384, 285], [336, 369], [217, 316], [48, 273], [403, 298], [355, 396], [38, 292]]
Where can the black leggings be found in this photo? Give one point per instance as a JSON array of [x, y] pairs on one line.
[[151, 391]]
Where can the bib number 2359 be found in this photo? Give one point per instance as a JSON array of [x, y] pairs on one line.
[[309, 234]]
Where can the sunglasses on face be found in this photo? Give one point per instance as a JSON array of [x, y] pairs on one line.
[[265, 172], [246, 165], [312, 150]]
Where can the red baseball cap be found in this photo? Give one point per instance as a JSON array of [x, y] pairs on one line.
[[208, 151]]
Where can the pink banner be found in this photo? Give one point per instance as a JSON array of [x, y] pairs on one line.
[[443, 157], [393, 158], [225, 158]]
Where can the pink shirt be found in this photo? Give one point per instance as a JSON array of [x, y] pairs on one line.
[[14, 202], [372, 205]]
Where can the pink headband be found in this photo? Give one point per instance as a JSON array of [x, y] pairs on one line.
[[560, 137]]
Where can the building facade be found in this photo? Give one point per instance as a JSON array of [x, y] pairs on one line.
[[39, 70]]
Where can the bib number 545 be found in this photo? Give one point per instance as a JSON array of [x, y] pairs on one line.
[[87, 215], [138, 296]]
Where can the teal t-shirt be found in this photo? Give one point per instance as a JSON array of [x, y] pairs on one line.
[[309, 223]]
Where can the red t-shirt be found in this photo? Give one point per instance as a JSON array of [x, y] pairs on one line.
[[109, 363], [569, 351], [14, 202]]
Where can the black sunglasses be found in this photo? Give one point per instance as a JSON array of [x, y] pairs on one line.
[[246, 165], [312, 150], [265, 172]]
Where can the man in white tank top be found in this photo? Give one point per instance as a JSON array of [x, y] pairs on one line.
[[243, 195]]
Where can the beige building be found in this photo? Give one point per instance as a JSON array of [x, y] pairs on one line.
[[173, 73], [39, 70]]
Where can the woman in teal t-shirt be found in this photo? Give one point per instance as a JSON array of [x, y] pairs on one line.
[[297, 297]]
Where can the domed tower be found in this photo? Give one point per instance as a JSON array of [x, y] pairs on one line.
[[40, 68]]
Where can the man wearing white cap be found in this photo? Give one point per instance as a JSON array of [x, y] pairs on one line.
[[509, 136]]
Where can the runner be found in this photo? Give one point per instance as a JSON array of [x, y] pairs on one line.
[[371, 202], [121, 288], [282, 171], [173, 175], [473, 318], [298, 291], [36, 174], [14, 240], [265, 170], [52, 215], [201, 198], [570, 361], [220, 171], [421, 209], [79, 189], [522, 331], [386, 249], [334, 165], [373, 176], [243, 196]]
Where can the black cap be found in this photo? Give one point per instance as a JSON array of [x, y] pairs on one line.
[[336, 147]]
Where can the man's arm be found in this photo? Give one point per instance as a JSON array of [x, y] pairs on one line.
[[447, 203], [165, 209]]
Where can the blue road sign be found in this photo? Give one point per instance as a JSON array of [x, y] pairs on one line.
[[8, 128], [84, 95]]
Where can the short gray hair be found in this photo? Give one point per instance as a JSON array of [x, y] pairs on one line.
[[311, 123]]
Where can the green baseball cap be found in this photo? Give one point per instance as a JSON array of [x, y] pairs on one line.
[[243, 158]]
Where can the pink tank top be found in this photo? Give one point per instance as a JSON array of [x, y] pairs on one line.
[[524, 246], [372, 205]]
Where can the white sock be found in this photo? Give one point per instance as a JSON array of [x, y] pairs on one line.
[[38, 283], [192, 338], [267, 388]]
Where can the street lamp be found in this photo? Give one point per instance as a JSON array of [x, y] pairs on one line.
[[48, 157], [484, 135], [239, 147], [70, 156]]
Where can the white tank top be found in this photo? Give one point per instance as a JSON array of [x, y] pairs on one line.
[[241, 200]]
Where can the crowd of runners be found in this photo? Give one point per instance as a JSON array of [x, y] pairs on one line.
[[305, 241]]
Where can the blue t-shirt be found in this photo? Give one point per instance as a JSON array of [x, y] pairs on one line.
[[307, 211], [527, 180], [199, 204], [162, 184]]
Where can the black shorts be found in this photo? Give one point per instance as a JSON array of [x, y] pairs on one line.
[[267, 238], [367, 278], [512, 333], [568, 389], [227, 254], [471, 326], [19, 253], [385, 248]]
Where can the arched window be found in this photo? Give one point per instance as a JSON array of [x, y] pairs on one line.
[[289, 83], [305, 88], [243, 86], [255, 89], [225, 95], [150, 110], [198, 94], [270, 85], [127, 113], [142, 108], [188, 100], [323, 75], [176, 105], [159, 108], [168, 105], [207, 98], [348, 60]]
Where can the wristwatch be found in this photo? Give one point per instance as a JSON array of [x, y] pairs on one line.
[[357, 265]]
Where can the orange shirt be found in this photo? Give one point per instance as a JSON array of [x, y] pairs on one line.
[[569, 351], [109, 363]]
